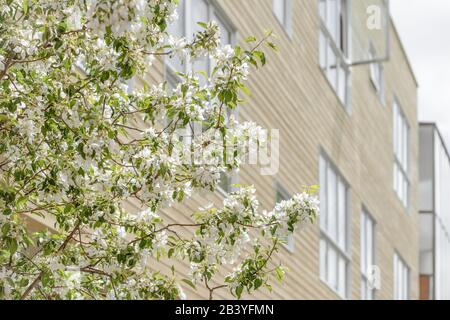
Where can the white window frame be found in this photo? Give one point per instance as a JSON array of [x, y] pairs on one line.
[[286, 19], [330, 50], [282, 194], [214, 9], [401, 278], [331, 245], [367, 254], [377, 74], [401, 154]]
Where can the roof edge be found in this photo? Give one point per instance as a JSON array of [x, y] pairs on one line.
[[436, 128], [408, 60]]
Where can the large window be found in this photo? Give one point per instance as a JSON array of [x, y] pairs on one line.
[[401, 279], [334, 242], [401, 152], [190, 13], [283, 11], [367, 256], [334, 46], [377, 74]]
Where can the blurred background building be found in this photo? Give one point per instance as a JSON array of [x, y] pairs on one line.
[[343, 96], [434, 215]]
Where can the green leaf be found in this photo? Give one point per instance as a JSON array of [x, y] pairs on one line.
[[203, 25], [28, 240], [268, 33], [5, 228], [261, 56], [13, 246], [250, 39], [239, 290], [280, 273], [203, 73], [246, 90], [189, 282], [257, 283], [25, 6], [21, 201], [272, 45]]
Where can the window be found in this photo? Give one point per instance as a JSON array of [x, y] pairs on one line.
[[283, 11], [334, 242], [333, 46], [281, 195], [401, 155], [401, 279], [190, 13], [367, 256], [376, 74]]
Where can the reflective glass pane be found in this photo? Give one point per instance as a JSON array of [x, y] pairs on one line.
[[342, 276], [199, 13], [342, 85], [363, 289], [323, 193], [394, 129], [363, 243], [177, 29], [332, 204], [322, 10], [332, 67], [342, 216], [279, 8], [369, 243], [332, 267], [332, 18], [323, 259]]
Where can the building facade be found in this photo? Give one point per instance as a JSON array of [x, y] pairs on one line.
[[434, 215], [351, 130]]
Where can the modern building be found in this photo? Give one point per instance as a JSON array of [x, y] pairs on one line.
[[434, 215], [350, 129]]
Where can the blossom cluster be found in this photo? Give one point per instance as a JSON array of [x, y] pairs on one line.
[[92, 148]]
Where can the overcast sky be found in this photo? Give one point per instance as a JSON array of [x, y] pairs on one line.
[[424, 26]]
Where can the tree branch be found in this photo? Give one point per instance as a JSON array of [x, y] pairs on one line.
[[39, 277]]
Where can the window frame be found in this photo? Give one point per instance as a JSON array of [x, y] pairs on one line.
[[365, 215], [214, 10], [399, 259], [399, 167], [287, 22], [376, 72], [327, 238], [340, 54]]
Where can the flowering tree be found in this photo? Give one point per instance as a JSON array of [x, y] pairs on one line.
[[76, 143]]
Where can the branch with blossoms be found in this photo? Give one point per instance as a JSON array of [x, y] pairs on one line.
[[78, 142]]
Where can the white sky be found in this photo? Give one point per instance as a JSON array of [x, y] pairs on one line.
[[424, 26]]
